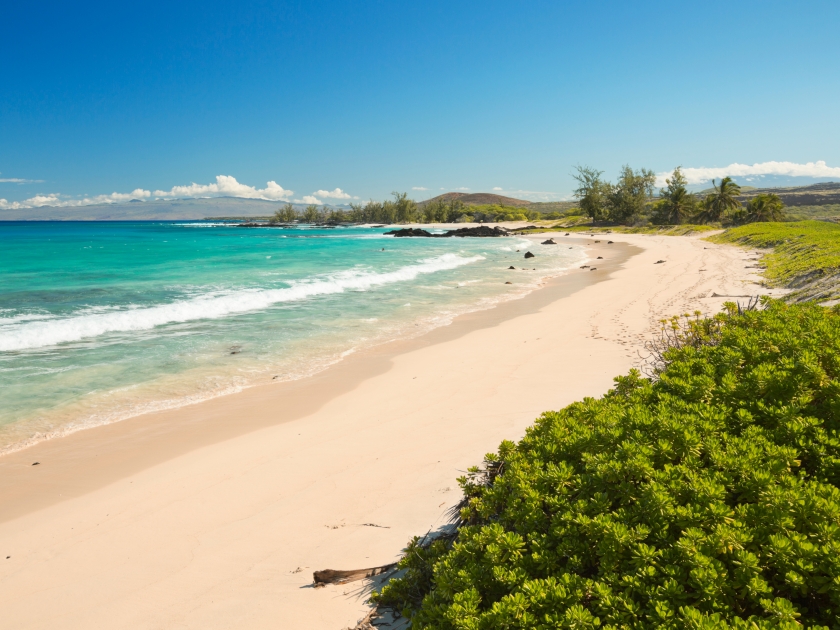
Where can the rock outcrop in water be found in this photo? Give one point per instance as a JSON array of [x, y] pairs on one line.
[[480, 231]]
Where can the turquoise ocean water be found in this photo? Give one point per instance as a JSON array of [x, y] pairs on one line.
[[103, 321]]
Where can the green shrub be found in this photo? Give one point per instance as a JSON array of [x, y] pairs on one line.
[[706, 497]]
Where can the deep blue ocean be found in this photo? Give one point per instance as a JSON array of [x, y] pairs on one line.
[[104, 321]]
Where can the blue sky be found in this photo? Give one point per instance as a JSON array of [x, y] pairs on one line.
[[370, 97]]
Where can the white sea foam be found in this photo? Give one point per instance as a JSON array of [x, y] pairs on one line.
[[23, 317], [84, 325]]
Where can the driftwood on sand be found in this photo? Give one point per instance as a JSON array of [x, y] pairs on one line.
[[366, 623], [332, 576]]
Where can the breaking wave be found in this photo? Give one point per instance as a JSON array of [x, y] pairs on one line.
[[31, 334]]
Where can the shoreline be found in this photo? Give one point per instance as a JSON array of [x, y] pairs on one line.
[[147, 439], [222, 523], [26, 433]]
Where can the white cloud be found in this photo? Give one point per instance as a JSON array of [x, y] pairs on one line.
[[309, 199], [419, 188], [333, 194], [462, 188], [227, 186], [497, 188], [137, 193], [54, 199], [790, 169], [18, 180]]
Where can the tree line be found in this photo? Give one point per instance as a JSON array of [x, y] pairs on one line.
[[630, 200], [403, 210]]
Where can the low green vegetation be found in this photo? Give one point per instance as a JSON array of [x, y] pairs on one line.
[[803, 213], [805, 256], [704, 496]]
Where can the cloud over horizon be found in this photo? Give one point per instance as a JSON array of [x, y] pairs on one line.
[[333, 194], [225, 186], [818, 169], [54, 199]]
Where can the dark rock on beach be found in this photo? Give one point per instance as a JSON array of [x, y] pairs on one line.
[[529, 255], [549, 242], [481, 231], [410, 232]]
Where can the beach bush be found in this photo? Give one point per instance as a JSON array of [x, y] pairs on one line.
[[705, 496]]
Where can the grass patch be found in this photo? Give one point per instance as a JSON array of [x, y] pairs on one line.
[[805, 256], [802, 213], [705, 497]]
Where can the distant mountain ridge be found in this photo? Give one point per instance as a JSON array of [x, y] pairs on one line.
[[155, 210], [477, 199], [814, 195]]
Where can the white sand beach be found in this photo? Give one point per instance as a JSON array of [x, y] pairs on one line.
[[215, 515]]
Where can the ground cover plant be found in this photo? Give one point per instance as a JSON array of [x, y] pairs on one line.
[[705, 496], [803, 213], [805, 256]]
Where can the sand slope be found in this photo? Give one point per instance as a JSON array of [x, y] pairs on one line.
[[226, 534]]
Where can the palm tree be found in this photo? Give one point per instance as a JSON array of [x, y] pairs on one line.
[[680, 206], [677, 204], [765, 207], [721, 201]]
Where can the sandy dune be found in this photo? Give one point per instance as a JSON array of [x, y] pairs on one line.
[[216, 515]]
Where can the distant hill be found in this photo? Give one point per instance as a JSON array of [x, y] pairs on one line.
[[157, 210], [821, 194], [477, 199], [814, 195]]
